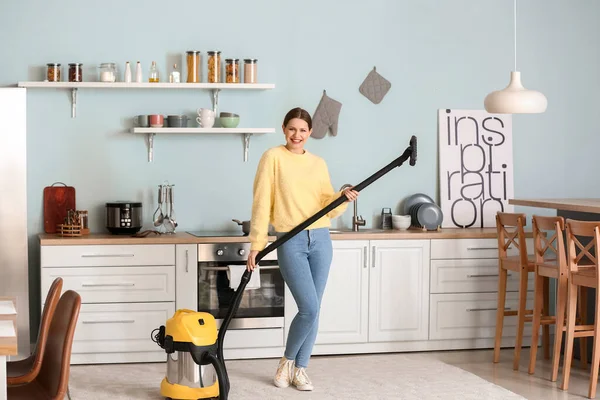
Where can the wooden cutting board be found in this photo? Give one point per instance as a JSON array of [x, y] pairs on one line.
[[58, 199]]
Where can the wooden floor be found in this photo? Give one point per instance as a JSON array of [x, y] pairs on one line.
[[537, 386]]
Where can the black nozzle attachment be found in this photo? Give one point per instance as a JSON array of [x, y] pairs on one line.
[[413, 150]]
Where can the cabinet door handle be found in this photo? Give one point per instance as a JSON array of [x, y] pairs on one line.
[[187, 261], [483, 275], [122, 321], [107, 255], [482, 248], [485, 309], [106, 284], [374, 250], [365, 257]]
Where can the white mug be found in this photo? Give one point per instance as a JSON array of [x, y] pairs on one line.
[[206, 117]]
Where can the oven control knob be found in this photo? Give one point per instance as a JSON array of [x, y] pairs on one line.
[[220, 252], [241, 252]]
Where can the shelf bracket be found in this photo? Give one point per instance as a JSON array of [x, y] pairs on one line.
[[246, 145], [151, 146], [215, 93], [73, 103]]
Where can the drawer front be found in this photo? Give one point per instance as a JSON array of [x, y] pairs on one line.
[[123, 328], [471, 248], [114, 284], [253, 338], [472, 316], [470, 276], [107, 255]]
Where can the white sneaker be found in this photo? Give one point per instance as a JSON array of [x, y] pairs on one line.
[[301, 380], [283, 376]]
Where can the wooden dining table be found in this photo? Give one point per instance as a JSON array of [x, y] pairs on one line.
[[8, 337]]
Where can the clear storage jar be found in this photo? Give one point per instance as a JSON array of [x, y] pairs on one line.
[[232, 70], [214, 67], [53, 72], [250, 70], [107, 72], [75, 72], [193, 66]]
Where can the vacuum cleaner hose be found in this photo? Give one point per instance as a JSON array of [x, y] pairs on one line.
[[409, 154], [221, 375]]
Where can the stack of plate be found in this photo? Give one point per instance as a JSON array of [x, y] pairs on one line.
[[423, 211]]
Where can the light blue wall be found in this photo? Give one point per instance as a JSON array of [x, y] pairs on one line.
[[437, 54]]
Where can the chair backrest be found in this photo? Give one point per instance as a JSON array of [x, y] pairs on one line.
[[548, 241], [54, 374], [583, 243], [52, 298], [511, 230]]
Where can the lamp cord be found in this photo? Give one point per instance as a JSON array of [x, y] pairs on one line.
[[515, 27]]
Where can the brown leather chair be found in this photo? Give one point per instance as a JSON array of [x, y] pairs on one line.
[[53, 379], [24, 371]]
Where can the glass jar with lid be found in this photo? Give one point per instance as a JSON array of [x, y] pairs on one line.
[[250, 70], [232, 70], [107, 72], [53, 72], [75, 72], [193, 66], [214, 66]]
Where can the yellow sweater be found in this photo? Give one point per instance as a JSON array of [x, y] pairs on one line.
[[288, 189]]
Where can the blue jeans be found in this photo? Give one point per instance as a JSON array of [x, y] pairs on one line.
[[304, 261]]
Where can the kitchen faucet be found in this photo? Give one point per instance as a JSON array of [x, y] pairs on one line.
[[356, 220]]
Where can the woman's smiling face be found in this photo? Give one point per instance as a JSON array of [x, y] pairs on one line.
[[296, 133]]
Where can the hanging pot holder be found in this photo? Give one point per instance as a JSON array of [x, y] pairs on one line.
[[375, 87]]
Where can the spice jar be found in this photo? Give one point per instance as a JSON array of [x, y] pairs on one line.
[[53, 72], [250, 70], [214, 66], [75, 72], [108, 72], [232, 70], [193, 66]]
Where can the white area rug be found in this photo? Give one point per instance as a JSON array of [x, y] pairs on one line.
[[385, 376]]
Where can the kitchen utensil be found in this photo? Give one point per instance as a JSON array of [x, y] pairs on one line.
[[386, 218], [244, 224], [430, 216], [169, 221], [401, 222], [57, 201], [156, 120], [159, 218], [416, 199], [228, 114], [206, 117], [141, 121], [410, 153], [177, 121], [229, 122]]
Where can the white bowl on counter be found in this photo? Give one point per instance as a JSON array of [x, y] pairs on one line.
[[401, 222]]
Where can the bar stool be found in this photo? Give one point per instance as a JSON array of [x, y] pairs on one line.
[[510, 228], [583, 273], [551, 262]]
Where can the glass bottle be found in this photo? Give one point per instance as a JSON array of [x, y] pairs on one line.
[[175, 76], [153, 77]]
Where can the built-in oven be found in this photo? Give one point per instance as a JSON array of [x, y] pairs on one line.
[[260, 307]]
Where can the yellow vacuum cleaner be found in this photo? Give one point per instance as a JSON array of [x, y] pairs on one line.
[[191, 339]]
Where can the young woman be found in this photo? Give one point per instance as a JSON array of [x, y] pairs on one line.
[[290, 186]]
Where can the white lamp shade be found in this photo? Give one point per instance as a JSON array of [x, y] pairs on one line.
[[515, 99]]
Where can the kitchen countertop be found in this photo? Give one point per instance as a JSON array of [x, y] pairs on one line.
[[581, 205], [186, 238]]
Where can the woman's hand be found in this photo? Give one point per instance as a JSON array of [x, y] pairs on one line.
[[251, 263], [351, 194]]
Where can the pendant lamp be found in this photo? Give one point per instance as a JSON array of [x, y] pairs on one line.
[[515, 99]]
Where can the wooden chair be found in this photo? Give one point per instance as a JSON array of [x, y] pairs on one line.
[[53, 379], [551, 262], [24, 371], [583, 273], [510, 228]]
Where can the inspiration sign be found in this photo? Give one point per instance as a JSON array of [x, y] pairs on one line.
[[476, 167]]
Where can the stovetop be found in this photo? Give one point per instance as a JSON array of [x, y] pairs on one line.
[[236, 233]]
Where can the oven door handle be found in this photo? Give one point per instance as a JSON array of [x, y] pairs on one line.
[[266, 267]]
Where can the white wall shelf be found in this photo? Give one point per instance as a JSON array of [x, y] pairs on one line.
[[75, 86], [247, 132]]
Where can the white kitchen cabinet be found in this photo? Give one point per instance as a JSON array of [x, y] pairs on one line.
[[186, 272], [399, 290], [345, 307]]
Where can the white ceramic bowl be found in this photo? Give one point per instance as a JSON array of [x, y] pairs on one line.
[[401, 222]]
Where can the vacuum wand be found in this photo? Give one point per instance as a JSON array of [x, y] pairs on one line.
[[409, 154]]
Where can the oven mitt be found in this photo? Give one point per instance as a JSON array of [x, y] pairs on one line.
[[326, 117], [375, 87]]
